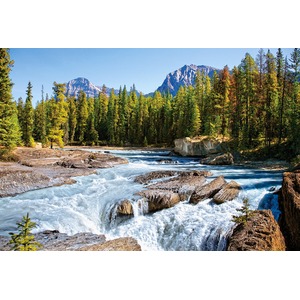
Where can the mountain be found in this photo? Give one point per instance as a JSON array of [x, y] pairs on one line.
[[184, 76], [74, 86]]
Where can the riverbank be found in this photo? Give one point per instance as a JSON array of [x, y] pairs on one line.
[[41, 168]]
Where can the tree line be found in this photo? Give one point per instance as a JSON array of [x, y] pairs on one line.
[[257, 102]]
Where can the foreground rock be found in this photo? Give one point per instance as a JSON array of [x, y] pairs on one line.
[[53, 240], [203, 146], [227, 193], [260, 233], [41, 168], [289, 203], [120, 244]]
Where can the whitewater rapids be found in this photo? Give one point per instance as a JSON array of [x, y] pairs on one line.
[[87, 205]]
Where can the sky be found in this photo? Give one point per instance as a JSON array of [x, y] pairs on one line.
[[114, 67]]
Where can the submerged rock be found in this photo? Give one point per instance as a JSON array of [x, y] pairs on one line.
[[208, 190], [227, 193], [260, 233]]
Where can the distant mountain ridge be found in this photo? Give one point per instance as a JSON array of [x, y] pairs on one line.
[[75, 85], [184, 76]]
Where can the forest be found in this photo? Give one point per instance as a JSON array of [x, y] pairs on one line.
[[257, 103]]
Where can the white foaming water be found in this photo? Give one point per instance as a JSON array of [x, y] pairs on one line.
[[90, 205]]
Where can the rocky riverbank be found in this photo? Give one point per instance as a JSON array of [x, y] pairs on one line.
[[41, 168], [53, 240]]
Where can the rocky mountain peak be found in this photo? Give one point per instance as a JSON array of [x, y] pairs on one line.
[[184, 76], [74, 86]]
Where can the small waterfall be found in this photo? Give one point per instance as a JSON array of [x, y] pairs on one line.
[[140, 207]]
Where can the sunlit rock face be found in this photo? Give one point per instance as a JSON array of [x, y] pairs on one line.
[[197, 147], [260, 233], [184, 76]]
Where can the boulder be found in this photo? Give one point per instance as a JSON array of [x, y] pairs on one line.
[[197, 147], [208, 190], [159, 199], [125, 208], [289, 204], [260, 233], [223, 159], [227, 193]]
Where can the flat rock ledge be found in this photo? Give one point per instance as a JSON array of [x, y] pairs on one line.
[[53, 240], [41, 168], [260, 233]]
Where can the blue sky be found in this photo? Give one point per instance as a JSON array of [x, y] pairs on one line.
[[114, 67]]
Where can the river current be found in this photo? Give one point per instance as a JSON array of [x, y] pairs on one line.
[[86, 206]]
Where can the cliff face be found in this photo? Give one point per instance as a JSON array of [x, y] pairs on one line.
[[260, 233], [289, 202]]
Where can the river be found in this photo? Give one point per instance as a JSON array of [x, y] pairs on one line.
[[86, 205]]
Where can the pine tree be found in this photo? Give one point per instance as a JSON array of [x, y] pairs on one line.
[[82, 116], [10, 135], [57, 115], [271, 103], [28, 119], [294, 107], [40, 122], [91, 134], [24, 240], [246, 213], [72, 118]]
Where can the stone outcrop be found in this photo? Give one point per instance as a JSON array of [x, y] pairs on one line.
[[227, 193], [208, 190], [40, 168], [223, 159], [53, 240], [260, 233], [197, 147], [289, 203]]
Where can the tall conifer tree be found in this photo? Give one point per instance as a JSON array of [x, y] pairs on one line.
[[10, 135]]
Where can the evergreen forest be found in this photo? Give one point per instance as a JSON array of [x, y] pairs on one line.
[[257, 103]]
